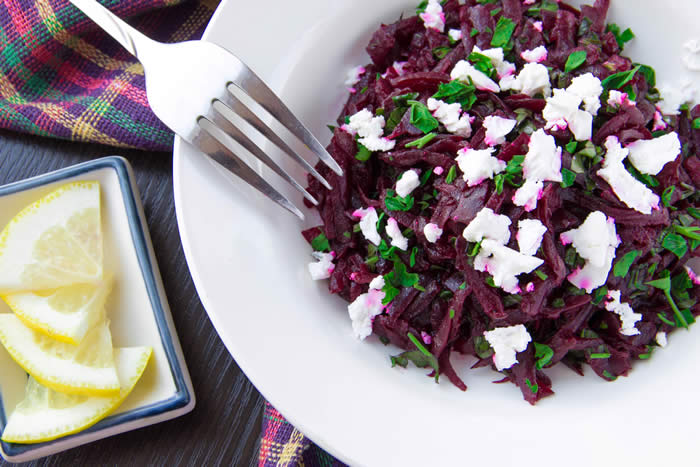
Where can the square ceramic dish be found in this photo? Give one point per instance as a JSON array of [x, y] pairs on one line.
[[137, 309]]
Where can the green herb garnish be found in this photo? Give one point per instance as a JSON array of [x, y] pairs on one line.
[[441, 52], [363, 154], [541, 275], [622, 37], [667, 195], [482, 63], [599, 294], [571, 146], [421, 117], [320, 243], [618, 80], [599, 355], [665, 284], [543, 355], [533, 386], [568, 178], [675, 244], [412, 259], [575, 60], [457, 91], [622, 266], [696, 124], [451, 174], [474, 32], [394, 202], [422, 141], [422, 358], [504, 30]]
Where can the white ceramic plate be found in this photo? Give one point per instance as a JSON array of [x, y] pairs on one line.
[[137, 308], [293, 340]]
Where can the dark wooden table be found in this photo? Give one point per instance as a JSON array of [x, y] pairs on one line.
[[224, 427]]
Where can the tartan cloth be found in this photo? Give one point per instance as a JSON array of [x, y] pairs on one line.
[[283, 445], [61, 76]]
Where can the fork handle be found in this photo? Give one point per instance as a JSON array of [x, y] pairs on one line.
[[128, 37]]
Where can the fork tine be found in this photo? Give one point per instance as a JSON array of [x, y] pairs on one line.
[[223, 117], [211, 141], [242, 110], [249, 83]]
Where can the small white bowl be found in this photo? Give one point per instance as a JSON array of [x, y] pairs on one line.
[[137, 309]]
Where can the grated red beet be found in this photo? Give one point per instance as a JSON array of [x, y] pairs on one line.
[[453, 303]]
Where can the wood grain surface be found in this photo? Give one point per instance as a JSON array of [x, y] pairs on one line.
[[224, 427]]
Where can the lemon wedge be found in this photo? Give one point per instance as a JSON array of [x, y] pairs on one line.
[[87, 368], [54, 242], [45, 414], [66, 313]]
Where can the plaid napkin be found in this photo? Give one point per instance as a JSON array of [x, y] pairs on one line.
[[284, 445], [62, 77]]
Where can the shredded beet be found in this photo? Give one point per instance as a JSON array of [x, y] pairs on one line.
[[451, 303]]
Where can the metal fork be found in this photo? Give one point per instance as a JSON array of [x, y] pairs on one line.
[[191, 86]]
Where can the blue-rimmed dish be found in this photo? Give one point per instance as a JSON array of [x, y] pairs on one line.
[[137, 308]]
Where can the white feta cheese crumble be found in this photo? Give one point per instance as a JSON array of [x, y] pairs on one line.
[[464, 70], [455, 34], [588, 88], [433, 16], [562, 111], [619, 99], [363, 310], [628, 189], [532, 79], [661, 339], [478, 164], [564, 106], [322, 267], [672, 97], [628, 317], [542, 163], [536, 55], [370, 130], [502, 66], [377, 283], [368, 224], [595, 241], [691, 55], [506, 343], [394, 232], [407, 182], [504, 264], [488, 225], [451, 116], [432, 232], [529, 236], [497, 128], [528, 194], [354, 75], [650, 155]]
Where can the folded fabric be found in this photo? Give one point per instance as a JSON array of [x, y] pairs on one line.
[[284, 445], [61, 76]]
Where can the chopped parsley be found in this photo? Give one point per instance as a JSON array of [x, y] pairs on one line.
[[422, 358], [675, 244], [533, 386], [457, 91], [622, 266], [422, 141], [482, 63], [421, 117], [696, 123], [622, 37], [451, 174], [667, 195], [575, 60], [441, 52], [543, 355], [504, 30], [568, 178], [363, 154], [618, 80], [320, 243], [665, 284], [394, 202]]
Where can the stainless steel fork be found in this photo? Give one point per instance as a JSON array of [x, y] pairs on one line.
[[192, 86]]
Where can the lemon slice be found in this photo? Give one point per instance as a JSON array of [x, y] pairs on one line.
[[66, 314], [87, 368], [45, 414], [54, 242]]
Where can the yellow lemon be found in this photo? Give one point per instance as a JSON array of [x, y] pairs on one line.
[[87, 368], [54, 242], [45, 414], [66, 313]]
